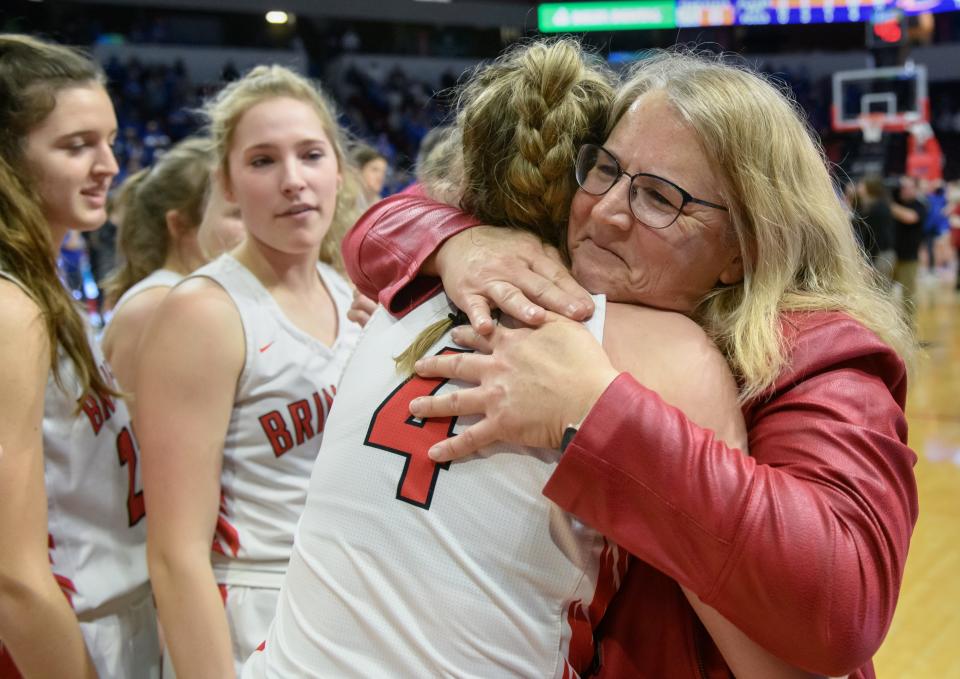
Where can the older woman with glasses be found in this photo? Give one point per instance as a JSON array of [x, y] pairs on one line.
[[803, 544]]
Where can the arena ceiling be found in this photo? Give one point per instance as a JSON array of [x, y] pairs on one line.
[[480, 13]]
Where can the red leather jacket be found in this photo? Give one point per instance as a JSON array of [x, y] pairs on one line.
[[801, 545]]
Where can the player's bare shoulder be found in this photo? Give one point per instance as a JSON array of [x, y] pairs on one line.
[[673, 355], [650, 340], [202, 302], [24, 362], [131, 318], [199, 318]]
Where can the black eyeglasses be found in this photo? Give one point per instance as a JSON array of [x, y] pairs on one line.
[[655, 201]]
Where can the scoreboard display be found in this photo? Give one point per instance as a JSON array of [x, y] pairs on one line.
[[556, 17]]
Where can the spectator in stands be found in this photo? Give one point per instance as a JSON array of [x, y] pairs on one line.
[[72, 251]]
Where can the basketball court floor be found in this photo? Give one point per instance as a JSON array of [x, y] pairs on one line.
[[924, 639]]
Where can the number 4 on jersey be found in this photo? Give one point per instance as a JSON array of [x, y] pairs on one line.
[[395, 430]]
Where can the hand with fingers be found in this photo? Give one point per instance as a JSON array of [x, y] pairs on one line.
[[535, 383], [361, 309], [492, 267]]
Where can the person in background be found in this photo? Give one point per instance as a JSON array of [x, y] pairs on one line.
[[909, 216], [72, 251], [953, 210], [819, 517], [937, 224], [878, 226], [373, 171], [162, 206], [221, 228]]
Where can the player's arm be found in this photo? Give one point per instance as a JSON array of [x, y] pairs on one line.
[[904, 214], [672, 355], [121, 340], [399, 246], [191, 356], [37, 627]]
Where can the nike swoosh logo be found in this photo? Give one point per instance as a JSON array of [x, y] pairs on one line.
[[266, 346]]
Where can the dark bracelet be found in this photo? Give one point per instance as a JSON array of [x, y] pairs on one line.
[[568, 435]]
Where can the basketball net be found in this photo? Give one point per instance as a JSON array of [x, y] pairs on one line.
[[921, 131], [871, 126]]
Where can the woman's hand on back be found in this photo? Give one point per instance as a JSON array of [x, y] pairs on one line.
[[490, 267], [536, 383]]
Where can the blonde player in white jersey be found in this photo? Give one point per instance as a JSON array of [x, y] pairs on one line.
[[159, 212], [237, 372], [407, 568], [74, 595]]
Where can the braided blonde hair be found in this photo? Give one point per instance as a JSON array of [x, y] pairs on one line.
[[522, 120]]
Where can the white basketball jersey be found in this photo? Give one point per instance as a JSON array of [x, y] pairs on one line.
[[283, 396], [407, 568], [159, 278], [95, 512]]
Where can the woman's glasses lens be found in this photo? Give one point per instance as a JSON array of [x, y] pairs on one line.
[[597, 170], [654, 201]]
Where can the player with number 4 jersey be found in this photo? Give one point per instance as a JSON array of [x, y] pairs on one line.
[[405, 567]]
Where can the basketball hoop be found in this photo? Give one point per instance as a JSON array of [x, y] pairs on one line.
[[871, 126]]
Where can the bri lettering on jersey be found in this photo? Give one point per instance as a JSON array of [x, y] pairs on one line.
[[301, 421], [99, 407]]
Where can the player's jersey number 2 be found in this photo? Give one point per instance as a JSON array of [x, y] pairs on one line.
[[127, 452]]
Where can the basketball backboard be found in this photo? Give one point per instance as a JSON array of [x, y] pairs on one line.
[[894, 97]]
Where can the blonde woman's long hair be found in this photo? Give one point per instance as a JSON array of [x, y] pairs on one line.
[[224, 111], [521, 121], [787, 214], [32, 73], [179, 181]]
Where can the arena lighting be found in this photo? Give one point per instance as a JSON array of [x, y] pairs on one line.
[[577, 17], [276, 16]]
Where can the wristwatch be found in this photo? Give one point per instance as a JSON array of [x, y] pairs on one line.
[[568, 435]]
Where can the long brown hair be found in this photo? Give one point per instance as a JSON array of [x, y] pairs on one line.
[[32, 73]]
